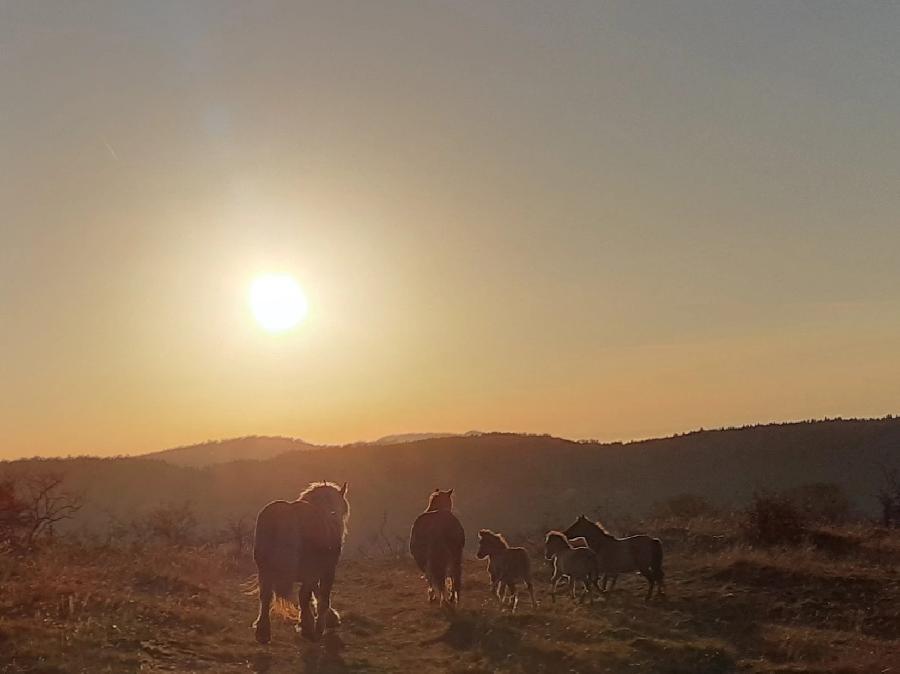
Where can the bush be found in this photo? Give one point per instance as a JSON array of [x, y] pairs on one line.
[[172, 523], [821, 502], [773, 519]]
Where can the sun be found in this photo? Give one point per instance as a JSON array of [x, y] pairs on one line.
[[278, 302]]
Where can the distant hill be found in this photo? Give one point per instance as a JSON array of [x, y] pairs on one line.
[[505, 481], [253, 447], [415, 437]]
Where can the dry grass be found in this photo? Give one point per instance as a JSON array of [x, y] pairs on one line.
[[730, 608]]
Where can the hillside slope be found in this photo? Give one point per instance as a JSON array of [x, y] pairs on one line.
[[505, 481], [253, 447]]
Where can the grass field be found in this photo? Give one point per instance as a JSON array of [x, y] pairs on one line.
[[75, 608]]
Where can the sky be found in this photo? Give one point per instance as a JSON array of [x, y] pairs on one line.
[[607, 220]]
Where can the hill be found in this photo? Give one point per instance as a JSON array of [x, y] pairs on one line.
[[516, 483], [253, 447]]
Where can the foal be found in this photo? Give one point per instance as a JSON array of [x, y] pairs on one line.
[[579, 564], [507, 567]]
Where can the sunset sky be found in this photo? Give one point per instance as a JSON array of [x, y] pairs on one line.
[[591, 219]]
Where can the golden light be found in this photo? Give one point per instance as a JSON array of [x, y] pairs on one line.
[[278, 302]]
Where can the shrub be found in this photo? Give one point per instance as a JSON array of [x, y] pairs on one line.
[[821, 502], [773, 519], [172, 523]]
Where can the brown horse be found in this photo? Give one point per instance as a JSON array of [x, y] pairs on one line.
[[436, 542], [507, 567], [577, 564], [301, 541], [623, 555]]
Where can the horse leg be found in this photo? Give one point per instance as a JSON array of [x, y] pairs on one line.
[[648, 574], [589, 589], [262, 624], [572, 586], [530, 586], [307, 617], [324, 603], [456, 578], [514, 597], [554, 583]]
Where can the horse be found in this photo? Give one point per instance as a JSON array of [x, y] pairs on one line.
[[640, 553], [577, 542], [579, 564], [506, 566], [300, 541], [436, 542]]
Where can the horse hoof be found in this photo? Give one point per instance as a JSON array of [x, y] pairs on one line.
[[263, 636]]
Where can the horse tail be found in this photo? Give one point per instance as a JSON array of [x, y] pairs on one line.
[[251, 585], [656, 560]]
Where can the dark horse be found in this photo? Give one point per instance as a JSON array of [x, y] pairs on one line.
[[436, 542], [300, 541], [622, 555]]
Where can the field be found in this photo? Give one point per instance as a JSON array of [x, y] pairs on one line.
[[829, 605]]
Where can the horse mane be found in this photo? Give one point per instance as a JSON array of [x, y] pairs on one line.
[[496, 536], [560, 535], [321, 493], [603, 529]]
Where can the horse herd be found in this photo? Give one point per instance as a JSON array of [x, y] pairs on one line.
[[301, 541]]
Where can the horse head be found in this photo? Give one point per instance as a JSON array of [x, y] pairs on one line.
[[554, 543], [580, 527], [441, 500], [332, 500], [489, 542]]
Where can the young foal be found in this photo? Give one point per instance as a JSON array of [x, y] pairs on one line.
[[621, 555], [579, 564], [507, 567]]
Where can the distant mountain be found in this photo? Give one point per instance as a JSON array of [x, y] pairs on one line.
[[254, 447], [415, 437]]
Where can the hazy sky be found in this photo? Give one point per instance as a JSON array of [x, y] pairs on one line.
[[598, 219]]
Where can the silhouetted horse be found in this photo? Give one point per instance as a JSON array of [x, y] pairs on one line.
[[507, 567], [579, 564], [300, 541], [623, 555], [436, 542]]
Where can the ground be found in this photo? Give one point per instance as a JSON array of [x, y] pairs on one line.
[[74, 608]]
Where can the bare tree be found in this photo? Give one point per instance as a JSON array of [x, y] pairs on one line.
[[238, 531], [32, 504]]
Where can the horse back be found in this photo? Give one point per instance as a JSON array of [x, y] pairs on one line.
[[434, 530], [515, 566], [285, 528]]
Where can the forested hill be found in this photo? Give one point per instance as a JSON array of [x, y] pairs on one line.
[[255, 447], [506, 481]]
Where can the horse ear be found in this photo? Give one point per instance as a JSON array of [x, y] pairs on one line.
[[344, 489], [450, 491]]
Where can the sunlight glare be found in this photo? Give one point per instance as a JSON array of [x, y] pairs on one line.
[[278, 302]]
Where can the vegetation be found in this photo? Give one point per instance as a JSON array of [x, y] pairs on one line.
[[494, 472], [74, 605]]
